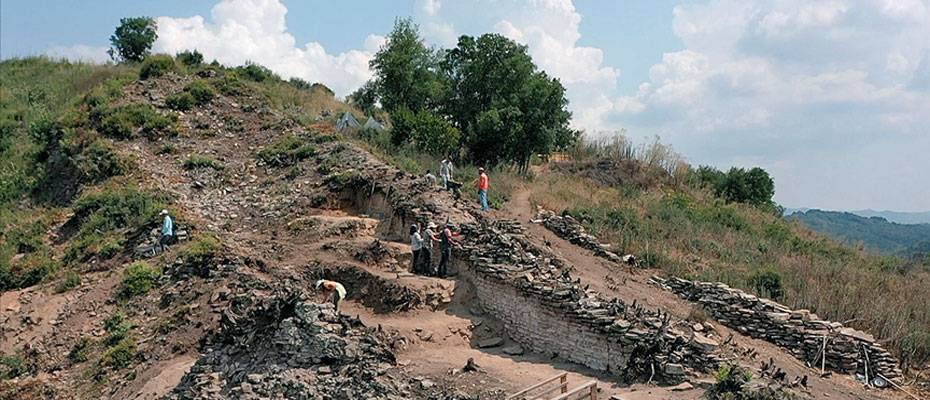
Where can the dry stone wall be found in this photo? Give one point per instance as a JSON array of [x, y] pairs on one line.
[[570, 229], [800, 332]]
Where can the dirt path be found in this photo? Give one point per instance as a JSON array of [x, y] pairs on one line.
[[614, 280]]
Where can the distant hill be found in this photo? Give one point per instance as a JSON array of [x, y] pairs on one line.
[[876, 233], [897, 216]]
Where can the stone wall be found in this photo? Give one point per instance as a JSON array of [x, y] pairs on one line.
[[570, 229], [798, 331]]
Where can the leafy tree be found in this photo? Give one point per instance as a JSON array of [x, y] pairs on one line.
[[753, 186], [190, 57], [405, 70], [133, 39], [428, 131], [365, 97], [506, 109]]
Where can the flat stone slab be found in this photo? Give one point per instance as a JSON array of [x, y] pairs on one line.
[[513, 350]]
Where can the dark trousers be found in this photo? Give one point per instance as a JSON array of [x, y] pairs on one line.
[[446, 254], [414, 261], [336, 298], [163, 242], [427, 261]]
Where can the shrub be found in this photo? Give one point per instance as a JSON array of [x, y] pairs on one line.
[[157, 65], [257, 72], [230, 85], [70, 281], [698, 314], [197, 161], [115, 206], [730, 380], [80, 349], [119, 356], [98, 161], [121, 123], [182, 101], [117, 328], [287, 151], [202, 250], [767, 283], [32, 269], [166, 148], [138, 279], [12, 366], [190, 58], [201, 91]]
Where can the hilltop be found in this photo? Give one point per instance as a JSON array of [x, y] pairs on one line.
[[272, 197]]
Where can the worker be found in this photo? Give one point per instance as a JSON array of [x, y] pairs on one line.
[[445, 247], [167, 230], [483, 186], [431, 178], [426, 253], [416, 243], [445, 172], [334, 289]]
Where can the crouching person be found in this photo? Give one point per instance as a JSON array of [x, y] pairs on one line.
[[332, 289]]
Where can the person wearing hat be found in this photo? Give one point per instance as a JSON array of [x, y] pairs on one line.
[[416, 243], [167, 230], [445, 247], [483, 186], [426, 253], [332, 288]]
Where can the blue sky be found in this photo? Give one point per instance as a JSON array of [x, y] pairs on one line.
[[831, 97]]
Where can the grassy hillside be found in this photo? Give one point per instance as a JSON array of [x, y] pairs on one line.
[[642, 202], [874, 233]]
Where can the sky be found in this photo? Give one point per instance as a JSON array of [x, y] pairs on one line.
[[831, 97]]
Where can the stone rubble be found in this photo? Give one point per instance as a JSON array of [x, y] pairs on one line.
[[800, 332]]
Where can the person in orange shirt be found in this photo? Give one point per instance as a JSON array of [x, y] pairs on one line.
[[483, 186], [334, 289]]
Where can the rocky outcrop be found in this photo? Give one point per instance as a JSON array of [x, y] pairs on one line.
[[801, 332]]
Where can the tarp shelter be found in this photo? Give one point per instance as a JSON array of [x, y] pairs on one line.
[[347, 121], [372, 123]]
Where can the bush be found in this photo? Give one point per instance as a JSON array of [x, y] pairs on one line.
[[121, 123], [730, 380], [201, 91], [767, 283], [180, 101], [202, 250], [133, 39], [70, 281], [80, 349], [117, 328], [119, 356], [197, 161], [257, 72], [115, 206], [287, 151], [12, 366], [30, 270], [157, 65], [138, 279], [230, 85], [190, 58], [98, 161]]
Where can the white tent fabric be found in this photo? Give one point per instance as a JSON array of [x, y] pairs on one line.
[[347, 121], [372, 123]]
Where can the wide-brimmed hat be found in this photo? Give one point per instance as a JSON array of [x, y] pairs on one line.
[[481, 169], [163, 212]]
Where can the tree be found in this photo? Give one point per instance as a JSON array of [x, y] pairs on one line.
[[365, 97], [190, 57], [754, 187], [133, 39], [405, 70], [506, 109]]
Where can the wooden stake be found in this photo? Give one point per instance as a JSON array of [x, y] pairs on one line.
[[823, 356], [898, 387]]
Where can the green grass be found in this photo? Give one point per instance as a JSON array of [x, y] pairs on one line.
[[119, 356], [198, 161], [70, 281], [138, 278], [287, 151], [79, 352]]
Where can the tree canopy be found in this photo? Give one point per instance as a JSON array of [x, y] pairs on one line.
[[486, 94], [133, 39]]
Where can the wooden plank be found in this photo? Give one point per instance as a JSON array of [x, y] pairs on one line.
[[590, 386], [562, 377]]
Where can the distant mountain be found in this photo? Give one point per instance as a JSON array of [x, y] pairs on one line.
[[897, 216], [876, 233]]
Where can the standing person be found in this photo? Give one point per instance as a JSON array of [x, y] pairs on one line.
[[445, 172], [445, 246], [483, 186], [429, 236], [416, 243], [167, 230], [334, 289]]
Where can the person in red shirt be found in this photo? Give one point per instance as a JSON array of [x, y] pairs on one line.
[[483, 186]]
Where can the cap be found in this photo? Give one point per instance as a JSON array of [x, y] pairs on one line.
[[481, 169], [163, 212]]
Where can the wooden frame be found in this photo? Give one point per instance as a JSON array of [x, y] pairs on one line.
[[562, 388]]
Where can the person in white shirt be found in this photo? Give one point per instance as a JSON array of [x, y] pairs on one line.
[[416, 243], [445, 172]]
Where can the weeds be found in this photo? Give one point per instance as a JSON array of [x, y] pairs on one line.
[[70, 281], [198, 161], [289, 150], [157, 65], [182, 101], [138, 279], [78, 353]]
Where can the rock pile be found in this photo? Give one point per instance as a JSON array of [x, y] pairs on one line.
[[801, 332], [282, 347], [570, 229]]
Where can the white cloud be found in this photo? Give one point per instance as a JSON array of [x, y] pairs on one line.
[[255, 30], [429, 7], [79, 52]]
